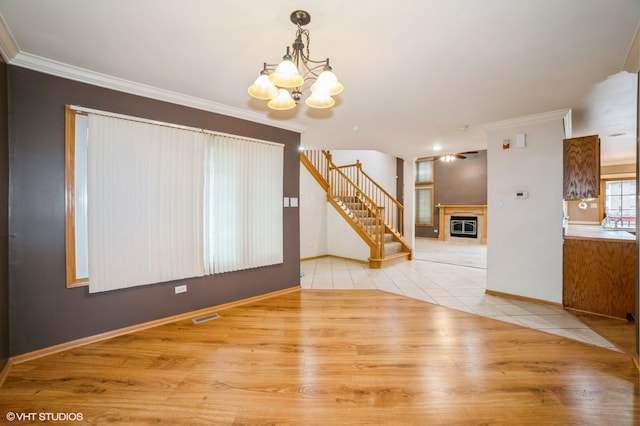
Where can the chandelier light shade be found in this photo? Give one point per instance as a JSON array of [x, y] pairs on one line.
[[263, 89], [320, 100], [327, 82], [284, 84], [282, 101]]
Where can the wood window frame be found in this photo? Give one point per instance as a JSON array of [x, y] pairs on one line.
[[426, 185], [72, 280], [74, 234], [603, 193]]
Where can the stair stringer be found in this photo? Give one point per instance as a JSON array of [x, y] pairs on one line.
[[354, 225], [400, 252]]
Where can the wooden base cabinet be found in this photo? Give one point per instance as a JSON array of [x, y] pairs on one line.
[[599, 276]]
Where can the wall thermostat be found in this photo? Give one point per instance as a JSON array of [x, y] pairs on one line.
[[522, 194]]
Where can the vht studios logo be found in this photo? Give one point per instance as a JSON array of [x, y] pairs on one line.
[[44, 417]]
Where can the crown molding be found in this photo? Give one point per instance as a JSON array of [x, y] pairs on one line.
[[82, 75], [559, 114], [8, 46]]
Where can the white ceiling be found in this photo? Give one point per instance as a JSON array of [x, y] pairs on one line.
[[416, 72]]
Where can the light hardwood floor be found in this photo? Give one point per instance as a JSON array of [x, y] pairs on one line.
[[454, 275], [325, 357]]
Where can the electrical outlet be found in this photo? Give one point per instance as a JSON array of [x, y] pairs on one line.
[[181, 289]]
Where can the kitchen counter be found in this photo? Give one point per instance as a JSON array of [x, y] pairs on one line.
[[594, 232]]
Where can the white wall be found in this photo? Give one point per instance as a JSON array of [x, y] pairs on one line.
[[343, 241], [313, 217], [524, 248], [379, 166], [409, 202]]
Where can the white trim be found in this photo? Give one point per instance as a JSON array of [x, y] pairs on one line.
[[568, 125], [636, 34], [621, 176], [8, 46], [59, 69], [583, 222], [529, 119], [166, 124]]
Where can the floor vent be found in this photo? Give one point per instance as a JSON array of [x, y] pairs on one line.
[[205, 318]]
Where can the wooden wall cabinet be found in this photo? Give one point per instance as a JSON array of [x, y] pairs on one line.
[[581, 160]]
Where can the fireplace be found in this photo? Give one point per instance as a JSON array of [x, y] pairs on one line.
[[464, 226], [476, 211]]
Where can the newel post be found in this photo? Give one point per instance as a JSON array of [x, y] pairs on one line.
[[380, 230], [328, 156]]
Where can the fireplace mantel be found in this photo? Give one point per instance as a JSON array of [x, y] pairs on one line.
[[461, 209]]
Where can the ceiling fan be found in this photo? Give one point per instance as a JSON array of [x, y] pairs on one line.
[[461, 155]]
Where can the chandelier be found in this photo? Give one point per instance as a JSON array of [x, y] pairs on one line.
[[283, 85]]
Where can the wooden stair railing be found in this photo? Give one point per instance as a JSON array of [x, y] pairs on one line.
[[393, 210], [372, 212], [359, 210], [318, 164]]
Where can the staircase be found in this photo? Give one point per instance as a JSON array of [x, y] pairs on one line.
[[372, 212]]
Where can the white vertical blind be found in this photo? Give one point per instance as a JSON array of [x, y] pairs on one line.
[[243, 204], [424, 204], [80, 194], [424, 171], [166, 203], [145, 211]]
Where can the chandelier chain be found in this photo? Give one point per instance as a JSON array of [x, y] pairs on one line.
[[307, 40]]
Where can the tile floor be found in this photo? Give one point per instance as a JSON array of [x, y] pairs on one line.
[[450, 274]]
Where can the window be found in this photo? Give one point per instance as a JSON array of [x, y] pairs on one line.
[[424, 192], [620, 202], [424, 171], [424, 203], [76, 240], [150, 202]]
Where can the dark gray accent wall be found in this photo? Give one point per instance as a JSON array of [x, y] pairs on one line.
[[400, 185], [462, 181], [400, 180], [4, 216], [43, 312]]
